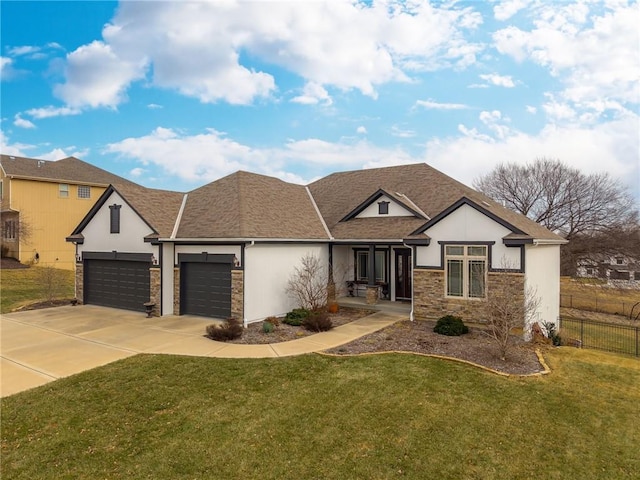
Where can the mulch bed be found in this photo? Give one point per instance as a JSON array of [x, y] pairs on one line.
[[412, 337]]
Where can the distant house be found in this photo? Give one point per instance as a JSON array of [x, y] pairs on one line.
[[400, 234], [41, 201], [614, 268]]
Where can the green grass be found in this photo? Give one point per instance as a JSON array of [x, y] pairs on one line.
[[315, 417], [610, 337], [29, 285]]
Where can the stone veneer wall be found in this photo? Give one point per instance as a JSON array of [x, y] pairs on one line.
[[80, 282], [373, 292], [154, 290], [176, 291], [237, 294], [430, 303]]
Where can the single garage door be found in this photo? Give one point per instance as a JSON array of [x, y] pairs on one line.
[[116, 283], [205, 289]]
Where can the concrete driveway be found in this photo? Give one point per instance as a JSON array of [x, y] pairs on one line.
[[39, 346]]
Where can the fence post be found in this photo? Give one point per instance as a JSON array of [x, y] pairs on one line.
[[582, 332]]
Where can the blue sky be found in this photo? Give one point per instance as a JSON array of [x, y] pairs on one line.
[[176, 94]]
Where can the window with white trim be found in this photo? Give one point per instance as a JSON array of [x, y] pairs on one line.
[[466, 271], [84, 191], [362, 266], [9, 230], [63, 190]]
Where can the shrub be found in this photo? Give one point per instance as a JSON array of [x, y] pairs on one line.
[[450, 325], [267, 327], [296, 316], [552, 333], [229, 330], [318, 322], [275, 321]]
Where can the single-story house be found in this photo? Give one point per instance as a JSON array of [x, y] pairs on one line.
[[401, 234]]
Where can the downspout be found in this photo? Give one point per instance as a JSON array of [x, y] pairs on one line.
[[245, 323]]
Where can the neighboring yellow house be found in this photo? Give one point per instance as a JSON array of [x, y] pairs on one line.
[[42, 201]]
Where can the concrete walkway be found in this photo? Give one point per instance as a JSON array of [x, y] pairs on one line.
[[39, 346]]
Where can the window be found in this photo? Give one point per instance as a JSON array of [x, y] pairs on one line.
[[383, 208], [84, 191], [9, 230], [466, 270], [114, 211], [63, 190], [619, 261], [362, 266]]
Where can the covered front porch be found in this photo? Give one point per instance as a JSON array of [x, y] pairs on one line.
[[372, 273]]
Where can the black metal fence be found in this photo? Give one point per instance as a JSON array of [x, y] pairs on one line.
[[627, 308], [610, 337]]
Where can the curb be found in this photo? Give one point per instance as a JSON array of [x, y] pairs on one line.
[[546, 369]]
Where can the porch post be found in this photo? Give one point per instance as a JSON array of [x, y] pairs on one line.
[[372, 288], [331, 284]]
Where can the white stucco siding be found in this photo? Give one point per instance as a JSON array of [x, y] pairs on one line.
[[395, 209], [268, 267], [466, 224], [542, 277], [211, 249], [167, 278], [342, 268], [98, 237]]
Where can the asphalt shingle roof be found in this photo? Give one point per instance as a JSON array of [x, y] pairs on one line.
[[67, 170], [248, 205]]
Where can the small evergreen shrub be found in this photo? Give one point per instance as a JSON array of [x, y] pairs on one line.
[[229, 330], [450, 325], [318, 322], [267, 327], [552, 333], [296, 316]]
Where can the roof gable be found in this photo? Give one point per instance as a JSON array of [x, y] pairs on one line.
[[465, 201], [396, 198]]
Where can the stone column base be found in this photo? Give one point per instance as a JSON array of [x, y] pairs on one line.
[[372, 294]]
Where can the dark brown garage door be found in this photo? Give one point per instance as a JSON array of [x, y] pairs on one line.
[[206, 288], [116, 283]]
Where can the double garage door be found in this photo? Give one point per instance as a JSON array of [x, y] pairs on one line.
[[118, 283], [205, 285]]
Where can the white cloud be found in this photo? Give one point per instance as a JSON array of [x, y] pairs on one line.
[[23, 50], [313, 94], [531, 109], [154, 106], [7, 72], [361, 130], [198, 49], [499, 80], [508, 8], [22, 123], [433, 105], [593, 49], [611, 147], [96, 76], [396, 131], [51, 111], [10, 148], [137, 172]]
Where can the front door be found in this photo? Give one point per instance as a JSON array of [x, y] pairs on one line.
[[403, 274]]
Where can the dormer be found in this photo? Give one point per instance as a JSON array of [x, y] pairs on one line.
[[383, 204]]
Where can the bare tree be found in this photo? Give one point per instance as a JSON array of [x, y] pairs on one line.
[[560, 197], [308, 283], [509, 306]]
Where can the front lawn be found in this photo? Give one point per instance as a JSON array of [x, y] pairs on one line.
[[36, 284], [372, 417]]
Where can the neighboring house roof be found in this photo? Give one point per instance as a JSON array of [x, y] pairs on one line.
[[248, 205], [431, 191], [67, 170]]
